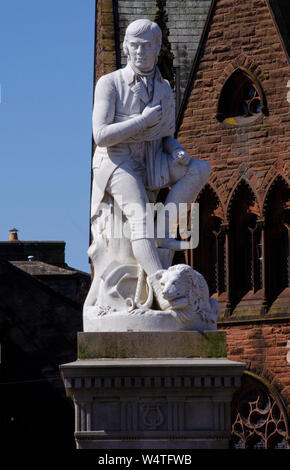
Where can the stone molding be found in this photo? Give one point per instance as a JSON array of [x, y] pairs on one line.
[[75, 383], [152, 403]]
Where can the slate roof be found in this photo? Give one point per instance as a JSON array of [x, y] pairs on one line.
[[38, 268]]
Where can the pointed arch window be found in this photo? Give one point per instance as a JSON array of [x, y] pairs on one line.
[[242, 100], [244, 244], [277, 228], [209, 257]]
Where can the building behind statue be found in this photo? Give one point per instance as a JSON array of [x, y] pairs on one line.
[[40, 313], [232, 78]]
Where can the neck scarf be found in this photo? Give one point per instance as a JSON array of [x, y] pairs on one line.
[[147, 78], [151, 73]]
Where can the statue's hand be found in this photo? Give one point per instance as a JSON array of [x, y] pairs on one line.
[[152, 116], [181, 157]]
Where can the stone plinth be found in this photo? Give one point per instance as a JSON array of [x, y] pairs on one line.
[[152, 344], [143, 402]]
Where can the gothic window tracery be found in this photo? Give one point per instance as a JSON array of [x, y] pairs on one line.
[[241, 100], [258, 418]]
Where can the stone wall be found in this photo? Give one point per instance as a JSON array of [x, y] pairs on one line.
[[243, 40], [240, 34], [244, 34], [265, 350], [105, 45], [186, 20]]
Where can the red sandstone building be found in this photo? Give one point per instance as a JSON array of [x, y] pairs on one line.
[[233, 99], [235, 114]]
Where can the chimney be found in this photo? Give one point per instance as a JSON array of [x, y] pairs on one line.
[[13, 234]]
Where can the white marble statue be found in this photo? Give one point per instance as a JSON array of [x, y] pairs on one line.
[[136, 155]]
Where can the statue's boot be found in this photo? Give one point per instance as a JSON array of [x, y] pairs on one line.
[[146, 254], [166, 257]]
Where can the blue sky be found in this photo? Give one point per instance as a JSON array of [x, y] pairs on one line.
[[46, 77]]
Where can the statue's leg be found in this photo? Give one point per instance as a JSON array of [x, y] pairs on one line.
[[186, 181], [129, 192]]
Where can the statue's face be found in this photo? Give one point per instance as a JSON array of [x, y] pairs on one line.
[[142, 51]]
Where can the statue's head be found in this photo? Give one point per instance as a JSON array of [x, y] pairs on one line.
[[142, 44]]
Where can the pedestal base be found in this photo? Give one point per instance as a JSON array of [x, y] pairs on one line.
[[147, 403]]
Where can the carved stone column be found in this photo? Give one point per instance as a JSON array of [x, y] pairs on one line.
[[264, 308], [228, 307]]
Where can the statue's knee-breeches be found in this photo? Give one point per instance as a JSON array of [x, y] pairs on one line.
[[199, 169], [129, 192], [138, 221]]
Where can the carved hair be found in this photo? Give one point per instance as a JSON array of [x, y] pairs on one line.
[[138, 27]]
